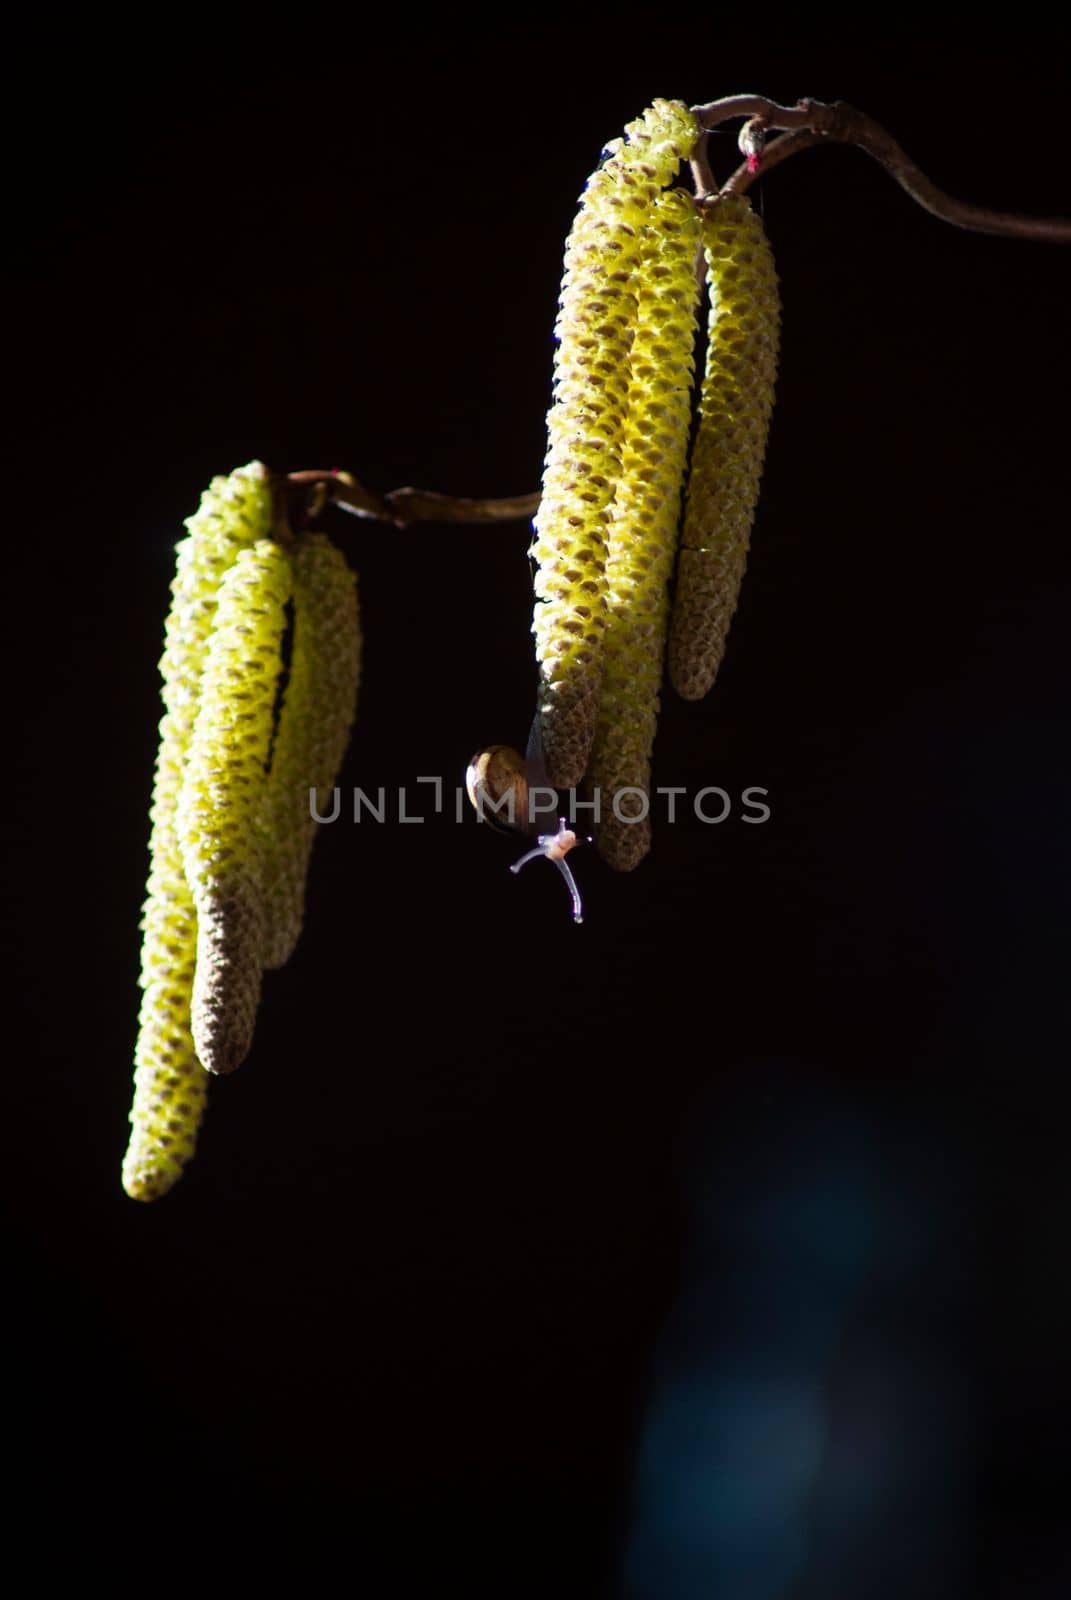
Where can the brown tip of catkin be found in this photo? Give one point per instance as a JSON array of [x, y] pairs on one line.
[[623, 831], [226, 985], [568, 728], [623, 845]]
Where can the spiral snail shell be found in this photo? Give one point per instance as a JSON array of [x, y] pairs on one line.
[[496, 782]]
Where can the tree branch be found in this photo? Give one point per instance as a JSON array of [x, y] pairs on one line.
[[811, 122], [403, 507], [807, 123], [703, 178]]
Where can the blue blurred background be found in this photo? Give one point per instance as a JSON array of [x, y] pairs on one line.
[[808, 1429]]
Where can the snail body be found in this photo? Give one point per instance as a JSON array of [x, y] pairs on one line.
[[501, 783]]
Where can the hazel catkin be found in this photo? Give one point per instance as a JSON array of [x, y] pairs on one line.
[[642, 528], [585, 427], [734, 415], [314, 727], [219, 810], [169, 1083]]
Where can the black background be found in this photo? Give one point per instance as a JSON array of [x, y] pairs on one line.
[[409, 1318]]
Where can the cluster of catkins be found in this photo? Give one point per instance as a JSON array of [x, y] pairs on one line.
[[232, 827], [606, 540]]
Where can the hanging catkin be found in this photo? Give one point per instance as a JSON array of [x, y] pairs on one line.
[[314, 727], [169, 1083], [220, 805], [730, 444], [642, 528], [585, 427]]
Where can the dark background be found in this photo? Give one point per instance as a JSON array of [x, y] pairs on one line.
[[716, 1247]]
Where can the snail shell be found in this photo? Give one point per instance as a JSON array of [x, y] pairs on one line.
[[497, 786]]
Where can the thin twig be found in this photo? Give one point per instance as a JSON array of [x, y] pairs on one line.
[[804, 114], [405, 506], [702, 177], [843, 124], [424, 505], [343, 489], [281, 529]]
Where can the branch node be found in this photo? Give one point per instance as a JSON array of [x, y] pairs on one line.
[[811, 122]]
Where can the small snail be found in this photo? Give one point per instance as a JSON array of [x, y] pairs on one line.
[[502, 786]]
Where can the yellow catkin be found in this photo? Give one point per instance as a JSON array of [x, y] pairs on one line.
[[585, 427], [169, 1084], [730, 444], [314, 728], [219, 810], [643, 529]]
